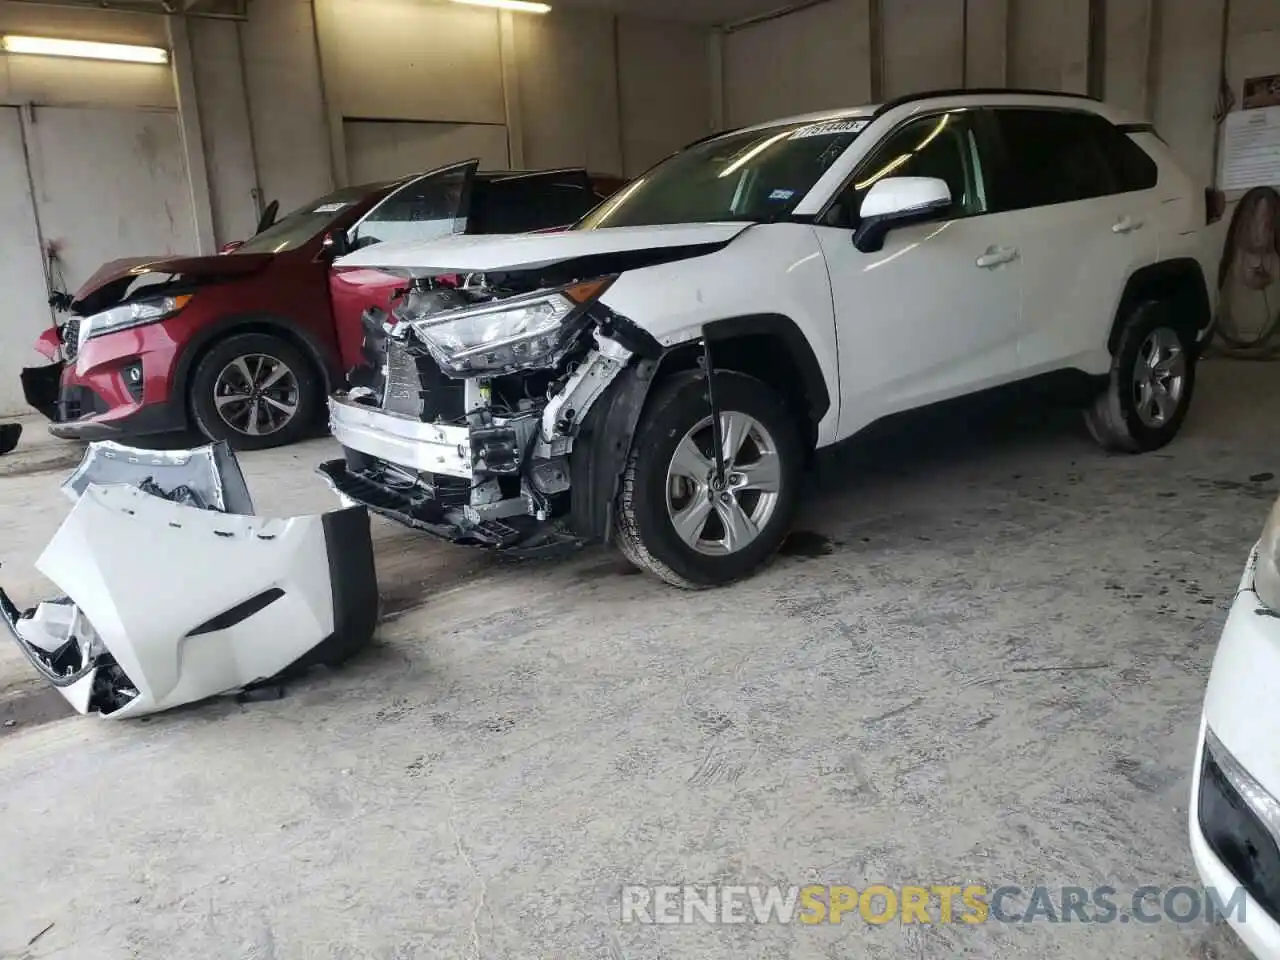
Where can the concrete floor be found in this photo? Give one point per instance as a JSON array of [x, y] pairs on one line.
[[994, 677]]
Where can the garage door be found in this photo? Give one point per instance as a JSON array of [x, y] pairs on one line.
[[25, 311], [385, 150], [110, 184]]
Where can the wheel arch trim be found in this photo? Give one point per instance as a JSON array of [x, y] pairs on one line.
[[1147, 282], [209, 337], [814, 382], [595, 478]]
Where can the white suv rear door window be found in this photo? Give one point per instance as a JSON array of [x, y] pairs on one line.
[[1084, 223]]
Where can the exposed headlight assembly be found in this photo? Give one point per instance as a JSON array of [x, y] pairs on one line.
[[134, 314], [1266, 573], [513, 334]]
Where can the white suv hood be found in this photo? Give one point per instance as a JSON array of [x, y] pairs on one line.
[[466, 254]]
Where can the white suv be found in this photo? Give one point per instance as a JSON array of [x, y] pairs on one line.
[[658, 375]]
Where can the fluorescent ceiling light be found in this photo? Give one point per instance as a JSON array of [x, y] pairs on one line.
[[54, 47], [524, 6]]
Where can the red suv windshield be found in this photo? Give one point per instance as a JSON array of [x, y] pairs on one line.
[[307, 221]]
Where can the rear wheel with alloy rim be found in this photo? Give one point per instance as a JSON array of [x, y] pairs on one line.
[[255, 391], [695, 520], [1152, 379], [1159, 377]]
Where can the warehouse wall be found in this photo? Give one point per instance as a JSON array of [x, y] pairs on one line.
[[1049, 44], [407, 60], [286, 103], [814, 59], [567, 66], [224, 112], [664, 96], [1160, 59], [616, 93], [923, 42], [93, 165], [572, 88], [56, 81]]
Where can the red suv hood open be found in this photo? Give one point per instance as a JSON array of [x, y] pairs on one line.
[[112, 279]]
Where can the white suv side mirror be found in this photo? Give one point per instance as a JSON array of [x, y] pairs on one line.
[[895, 202]]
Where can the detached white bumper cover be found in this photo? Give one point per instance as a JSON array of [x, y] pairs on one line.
[[1235, 794], [169, 604]]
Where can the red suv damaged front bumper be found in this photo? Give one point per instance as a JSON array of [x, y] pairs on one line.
[[115, 385]]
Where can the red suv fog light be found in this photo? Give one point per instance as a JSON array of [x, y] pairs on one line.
[[133, 380]]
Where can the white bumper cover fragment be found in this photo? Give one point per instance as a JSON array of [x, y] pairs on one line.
[[169, 604]]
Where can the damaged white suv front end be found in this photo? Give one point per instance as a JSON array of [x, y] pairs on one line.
[[479, 390]]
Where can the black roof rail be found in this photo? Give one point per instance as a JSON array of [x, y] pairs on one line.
[[980, 92]]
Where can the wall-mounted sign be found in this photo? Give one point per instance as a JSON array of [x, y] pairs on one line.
[[1251, 149], [1261, 92]]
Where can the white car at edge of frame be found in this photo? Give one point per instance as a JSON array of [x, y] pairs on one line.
[[1235, 792]]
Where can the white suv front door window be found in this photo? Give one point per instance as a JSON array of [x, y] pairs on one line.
[[935, 313]]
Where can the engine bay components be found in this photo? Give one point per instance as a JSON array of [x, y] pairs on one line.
[[465, 422]]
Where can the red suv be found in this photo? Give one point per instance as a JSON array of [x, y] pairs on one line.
[[246, 345]]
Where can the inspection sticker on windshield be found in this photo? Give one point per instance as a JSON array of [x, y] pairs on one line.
[[782, 195], [330, 207], [829, 127]]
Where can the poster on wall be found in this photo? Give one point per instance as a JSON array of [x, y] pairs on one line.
[[1261, 92], [1251, 149]]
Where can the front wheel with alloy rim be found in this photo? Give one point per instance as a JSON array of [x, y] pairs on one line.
[[696, 520], [1153, 376], [255, 391]]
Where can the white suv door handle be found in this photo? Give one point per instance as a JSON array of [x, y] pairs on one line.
[[1126, 224], [996, 256]]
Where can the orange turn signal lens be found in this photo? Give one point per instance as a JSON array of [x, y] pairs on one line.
[[588, 290]]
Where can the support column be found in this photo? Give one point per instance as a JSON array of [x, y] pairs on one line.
[[327, 53], [1074, 37], [184, 85], [1128, 67], [875, 65], [510, 61], [1189, 51], [986, 55], [715, 62]]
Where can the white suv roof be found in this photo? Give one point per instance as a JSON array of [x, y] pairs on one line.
[[955, 98]]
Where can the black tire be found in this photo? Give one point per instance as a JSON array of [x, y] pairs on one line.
[[1114, 418], [645, 531], [307, 395]]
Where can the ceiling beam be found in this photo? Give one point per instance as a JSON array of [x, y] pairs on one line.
[[210, 9]]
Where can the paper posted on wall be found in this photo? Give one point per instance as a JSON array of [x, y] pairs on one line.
[[1251, 149], [1261, 92]]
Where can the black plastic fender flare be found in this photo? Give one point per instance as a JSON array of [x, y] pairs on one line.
[[601, 449], [604, 439]]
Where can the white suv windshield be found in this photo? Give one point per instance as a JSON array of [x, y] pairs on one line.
[[751, 175]]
